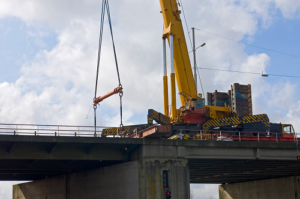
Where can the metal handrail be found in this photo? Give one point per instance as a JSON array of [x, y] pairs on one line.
[[55, 130], [19, 129], [10, 124], [220, 135], [50, 130], [89, 131]]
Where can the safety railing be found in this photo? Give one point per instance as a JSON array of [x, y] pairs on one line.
[[51, 130], [190, 134], [219, 135]]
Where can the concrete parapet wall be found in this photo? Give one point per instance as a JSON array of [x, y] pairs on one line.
[[278, 188], [141, 179]]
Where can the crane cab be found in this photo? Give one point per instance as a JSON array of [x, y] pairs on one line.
[[195, 105], [194, 109], [288, 128], [282, 130]]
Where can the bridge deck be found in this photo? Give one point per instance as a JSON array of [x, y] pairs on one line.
[[38, 157]]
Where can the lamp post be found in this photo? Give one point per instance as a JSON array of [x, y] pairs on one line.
[[194, 55]]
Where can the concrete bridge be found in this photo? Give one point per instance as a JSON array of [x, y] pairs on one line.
[[93, 167]]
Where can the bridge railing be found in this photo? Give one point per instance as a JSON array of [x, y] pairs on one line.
[[50, 130], [220, 135], [91, 131]]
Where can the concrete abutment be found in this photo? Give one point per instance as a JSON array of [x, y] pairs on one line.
[[140, 179], [277, 188]]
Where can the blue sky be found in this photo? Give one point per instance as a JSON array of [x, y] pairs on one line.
[[48, 56], [19, 44], [280, 36]]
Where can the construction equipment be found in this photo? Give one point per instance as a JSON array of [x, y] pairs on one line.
[[193, 110], [222, 109], [231, 111]]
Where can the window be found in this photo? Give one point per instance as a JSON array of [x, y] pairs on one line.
[[200, 104], [292, 130], [287, 129], [193, 103], [187, 105]]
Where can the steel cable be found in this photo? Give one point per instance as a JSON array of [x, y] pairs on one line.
[[115, 55], [113, 43], [105, 6], [250, 44], [100, 44], [98, 60], [254, 73]]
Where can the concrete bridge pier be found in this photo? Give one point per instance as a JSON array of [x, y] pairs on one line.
[[277, 188], [139, 179]]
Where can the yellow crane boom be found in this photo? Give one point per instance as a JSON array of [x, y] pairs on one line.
[[182, 65], [182, 70]]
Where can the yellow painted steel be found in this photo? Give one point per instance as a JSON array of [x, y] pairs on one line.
[[182, 65], [166, 96], [173, 97], [202, 137], [216, 112], [231, 121]]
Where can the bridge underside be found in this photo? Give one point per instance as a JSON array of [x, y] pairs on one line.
[[27, 170], [201, 170], [38, 157], [231, 171]]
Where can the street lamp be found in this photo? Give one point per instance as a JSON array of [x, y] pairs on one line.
[[194, 55], [264, 74]]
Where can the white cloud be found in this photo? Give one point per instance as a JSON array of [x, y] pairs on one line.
[[281, 103], [289, 8], [204, 191]]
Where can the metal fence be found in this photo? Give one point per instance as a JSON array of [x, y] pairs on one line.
[[92, 131], [218, 135], [50, 130]]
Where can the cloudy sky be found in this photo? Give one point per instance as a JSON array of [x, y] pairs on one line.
[[48, 53]]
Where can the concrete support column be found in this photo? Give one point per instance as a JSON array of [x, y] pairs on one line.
[[52, 188], [151, 178], [140, 179]]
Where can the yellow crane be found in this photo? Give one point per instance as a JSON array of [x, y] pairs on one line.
[[231, 111], [192, 104]]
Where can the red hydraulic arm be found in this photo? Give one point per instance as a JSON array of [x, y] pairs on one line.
[[101, 98]]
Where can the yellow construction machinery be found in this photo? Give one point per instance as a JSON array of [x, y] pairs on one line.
[[193, 110]]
